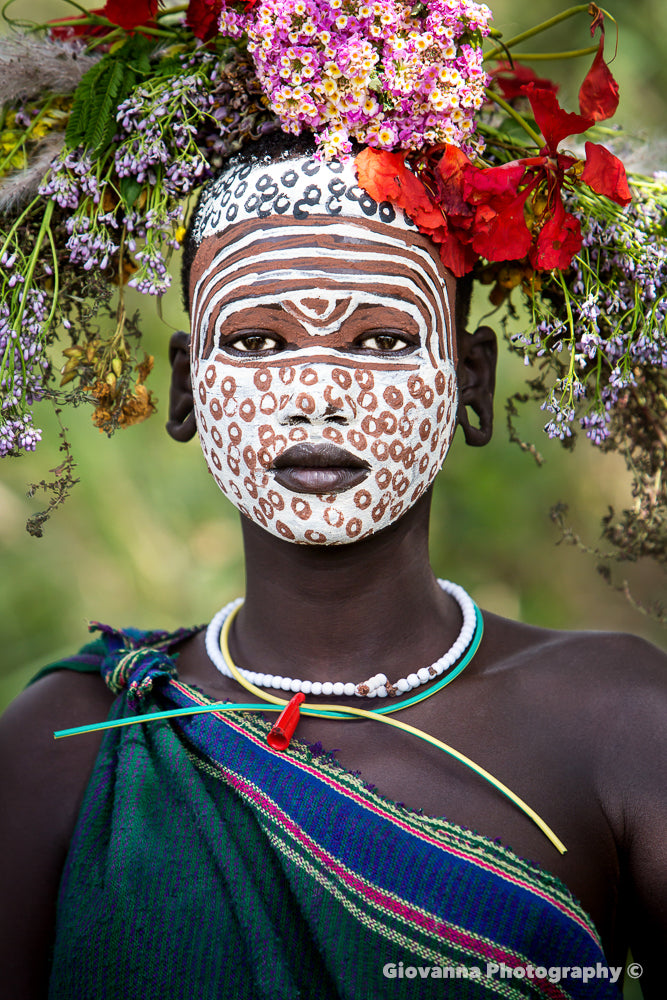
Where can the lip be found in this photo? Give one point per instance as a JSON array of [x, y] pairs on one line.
[[319, 468]]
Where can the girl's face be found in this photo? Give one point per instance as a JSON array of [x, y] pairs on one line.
[[323, 372]]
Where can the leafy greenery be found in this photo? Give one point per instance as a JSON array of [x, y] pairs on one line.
[[92, 120]]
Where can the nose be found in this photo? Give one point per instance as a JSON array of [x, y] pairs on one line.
[[318, 402]]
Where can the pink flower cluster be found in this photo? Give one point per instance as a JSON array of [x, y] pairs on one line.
[[371, 71]]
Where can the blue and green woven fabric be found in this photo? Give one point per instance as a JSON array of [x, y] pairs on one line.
[[206, 865]]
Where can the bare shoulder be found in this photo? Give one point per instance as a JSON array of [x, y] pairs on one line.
[[607, 690], [51, 774], [606, 670], [42, 783], [600, 699]]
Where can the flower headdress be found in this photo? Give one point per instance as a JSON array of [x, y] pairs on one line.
[[111, 119]]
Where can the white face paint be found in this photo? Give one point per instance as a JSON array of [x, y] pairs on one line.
[[324, 335]]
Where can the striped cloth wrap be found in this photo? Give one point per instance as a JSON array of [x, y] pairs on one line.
[[206, 865]]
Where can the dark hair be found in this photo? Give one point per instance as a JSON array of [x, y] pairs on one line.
[[272, 147]]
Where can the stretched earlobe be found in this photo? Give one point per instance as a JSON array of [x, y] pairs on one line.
[[478, 354], [181, 424]]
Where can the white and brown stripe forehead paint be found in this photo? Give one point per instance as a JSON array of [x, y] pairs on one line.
[[241, 267], [315, 283]]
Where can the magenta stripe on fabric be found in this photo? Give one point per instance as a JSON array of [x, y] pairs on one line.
[[381, 899], [402, 824]]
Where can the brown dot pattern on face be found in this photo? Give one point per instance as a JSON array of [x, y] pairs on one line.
[[380, 450], [276, 500], [305, 403], [367, 400], [334, 517], [258, 516], [267, 508], [247, 410], [364, 379], [393, 397], [333, 434], [378, 511], [357, 440], [301, 508], [371, 426], [362, 499], [268, 403], [333, 398], [342, 378], [315, 537], [251, 487], [353, 527]]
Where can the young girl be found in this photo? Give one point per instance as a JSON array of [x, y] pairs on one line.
[[449, 803]]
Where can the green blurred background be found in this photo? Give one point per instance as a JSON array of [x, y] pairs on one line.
[[148, 539]]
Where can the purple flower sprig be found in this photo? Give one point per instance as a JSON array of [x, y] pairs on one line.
[[158, 149], [604, 329], [71, 180], [26, 314]]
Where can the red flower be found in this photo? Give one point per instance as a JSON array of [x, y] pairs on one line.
[[500, 230], [386, 177], [203, 17], [129, 14], [554, 123], [598, 95], [557, 242], [605, 173], [511, 78]]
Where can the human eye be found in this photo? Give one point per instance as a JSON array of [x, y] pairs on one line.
[[384, 343], [254, 343]]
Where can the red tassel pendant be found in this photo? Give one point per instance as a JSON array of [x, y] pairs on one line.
[[280, 736]]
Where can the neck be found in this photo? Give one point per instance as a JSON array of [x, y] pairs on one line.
[[343, 612]]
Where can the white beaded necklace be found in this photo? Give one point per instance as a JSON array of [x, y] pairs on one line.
[[377, 686]]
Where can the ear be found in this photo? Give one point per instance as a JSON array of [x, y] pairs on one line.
[[476, 371], [181, 424]]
